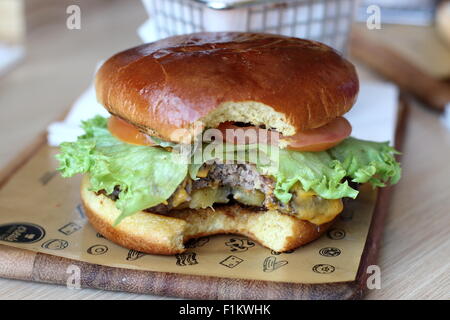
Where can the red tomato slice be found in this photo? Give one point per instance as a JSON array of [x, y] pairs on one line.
[[128, 133], [321, 138], [318, 139]]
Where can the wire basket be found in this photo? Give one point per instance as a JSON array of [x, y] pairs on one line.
[[414, 12], [327, 21]]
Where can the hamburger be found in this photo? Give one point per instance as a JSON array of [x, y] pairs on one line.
[[223, 133]]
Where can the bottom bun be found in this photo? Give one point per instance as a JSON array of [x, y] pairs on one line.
[[160, 234]]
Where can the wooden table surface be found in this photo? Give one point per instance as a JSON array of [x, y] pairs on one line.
[[415, 252]]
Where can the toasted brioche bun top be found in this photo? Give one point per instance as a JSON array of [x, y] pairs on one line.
[[203, 79]]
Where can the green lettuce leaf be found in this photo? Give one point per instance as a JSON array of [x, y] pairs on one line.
[[316, 171], [162, 143], [324, 172], [367, 161], [146, 176]]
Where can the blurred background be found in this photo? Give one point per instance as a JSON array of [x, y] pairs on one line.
[[49, 51]]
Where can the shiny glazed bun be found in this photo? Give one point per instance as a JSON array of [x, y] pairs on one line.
[[203, 79]]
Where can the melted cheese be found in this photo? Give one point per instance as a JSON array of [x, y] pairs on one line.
[[308, 206], [203, 172], [304, 205], [179, 197], [248, 197], [206, 197]]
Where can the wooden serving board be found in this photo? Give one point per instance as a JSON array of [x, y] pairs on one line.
[[27, 265]]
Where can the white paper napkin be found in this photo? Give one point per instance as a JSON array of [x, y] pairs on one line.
[[373, 117], [9, 56], [85, 107], [446, 116]]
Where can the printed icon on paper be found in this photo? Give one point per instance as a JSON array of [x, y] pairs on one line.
[[330, 252], [271, 264], [55, 244], [231, 261], [276, 253], [134, 255], [47, 176], [80, 211], [186, 259], [97, 249], [21, 232], [323, 268], [239, 245], [336, 234], [69, 228], [195, 243]]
